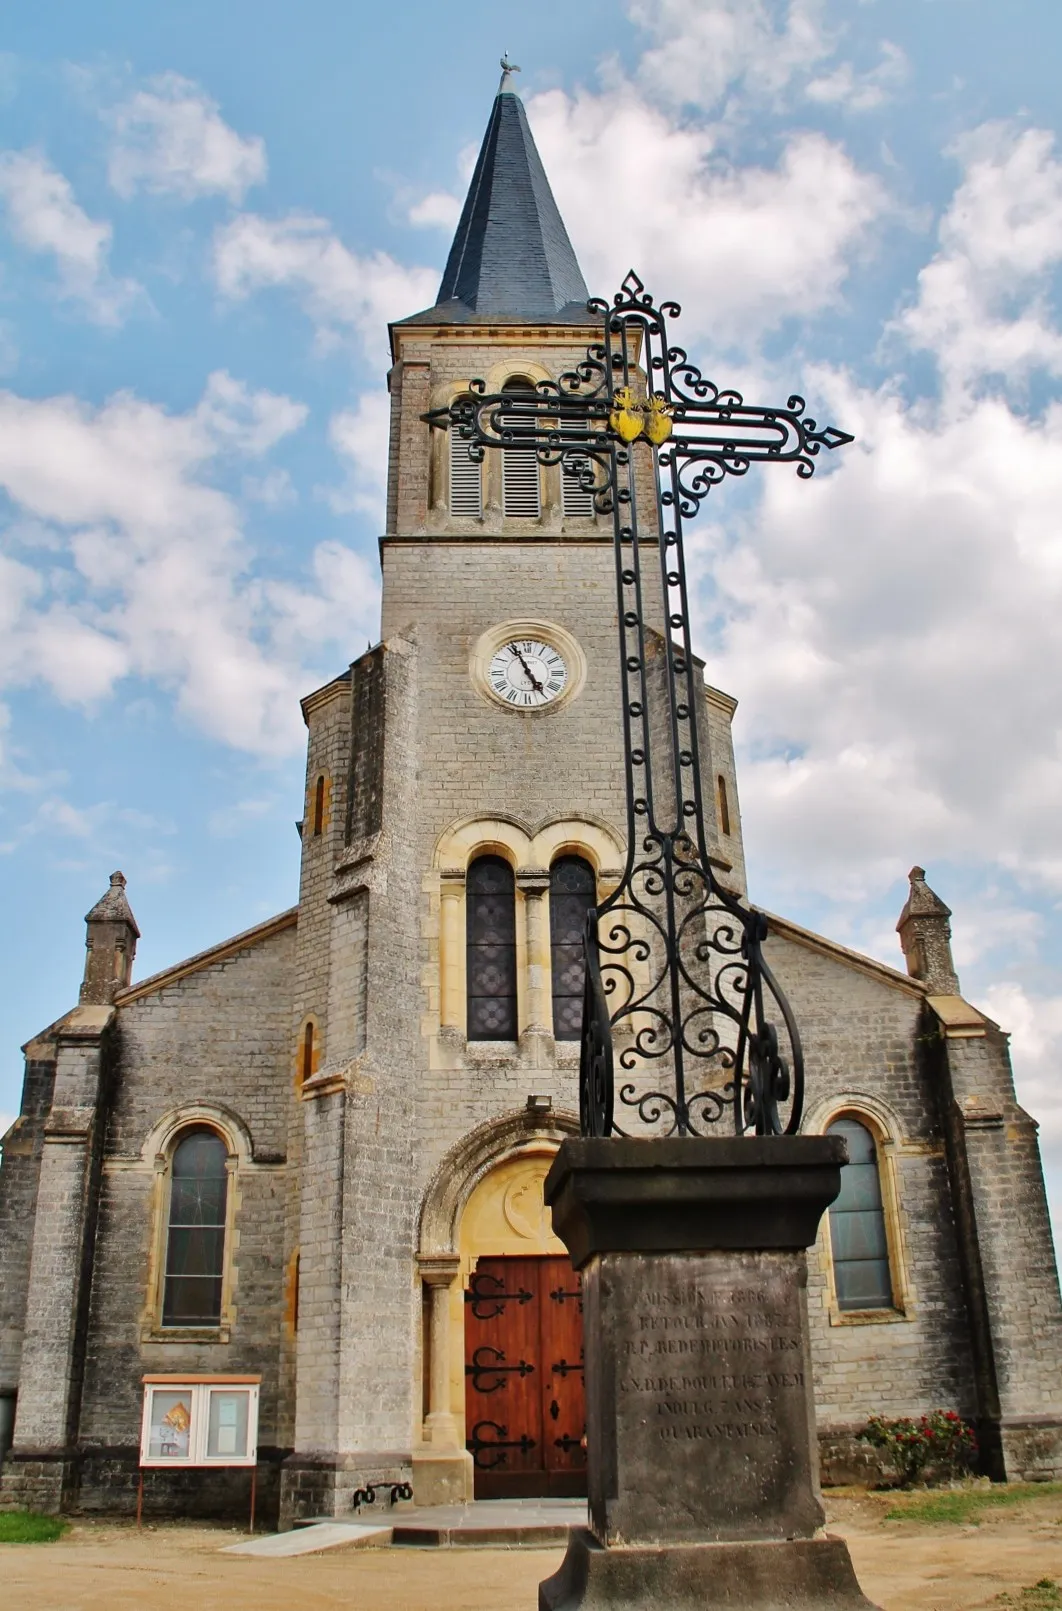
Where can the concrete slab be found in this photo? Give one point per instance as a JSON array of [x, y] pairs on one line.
[[484, 1524], [321, 1535]]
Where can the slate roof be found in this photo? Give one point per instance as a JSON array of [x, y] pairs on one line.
[[511, 257]]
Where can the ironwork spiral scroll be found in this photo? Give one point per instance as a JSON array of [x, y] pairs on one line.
[[675, 976]]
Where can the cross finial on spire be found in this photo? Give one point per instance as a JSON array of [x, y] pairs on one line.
[[508, 69]]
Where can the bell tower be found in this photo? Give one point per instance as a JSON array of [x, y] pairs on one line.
[[465, 805]]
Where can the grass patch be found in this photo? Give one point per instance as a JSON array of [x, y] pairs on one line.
[[959, 1505], [21, 1527], [1043, 1596]]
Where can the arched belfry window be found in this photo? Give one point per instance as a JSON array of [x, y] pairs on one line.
[[858, 1236], [521, 495], [572, 891], [466, 477], [490, 917], [195, 1238]]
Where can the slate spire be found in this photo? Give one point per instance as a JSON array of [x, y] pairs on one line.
[[511, 257]]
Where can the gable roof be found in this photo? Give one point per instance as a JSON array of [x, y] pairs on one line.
[[206, 959], [511, 258]]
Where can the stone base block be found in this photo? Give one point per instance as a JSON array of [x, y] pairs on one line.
[[443, 1478], [1031, 1449], [811, 1574], [315, 1485], [38, 1481]]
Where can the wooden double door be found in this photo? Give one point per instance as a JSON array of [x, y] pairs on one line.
[[525, 1400]]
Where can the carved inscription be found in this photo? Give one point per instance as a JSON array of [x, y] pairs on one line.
[[710, 1364]]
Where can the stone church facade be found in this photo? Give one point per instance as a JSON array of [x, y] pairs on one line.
[[313, 1154]]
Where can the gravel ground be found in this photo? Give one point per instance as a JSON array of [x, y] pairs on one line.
[[108, 1566]]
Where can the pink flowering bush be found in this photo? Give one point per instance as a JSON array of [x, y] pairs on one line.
[[940, 1446]]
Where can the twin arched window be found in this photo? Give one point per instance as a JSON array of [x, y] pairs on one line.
[[195, 1234], [858, 1236], [490, 919]]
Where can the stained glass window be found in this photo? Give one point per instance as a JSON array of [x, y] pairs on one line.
[[490, 917], [857, 1225], [195, 1249], [572, 891]]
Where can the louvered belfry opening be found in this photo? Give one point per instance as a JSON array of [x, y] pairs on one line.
[[466, 478], [521, 494], [577, 501], [490, 917], [572, 891]]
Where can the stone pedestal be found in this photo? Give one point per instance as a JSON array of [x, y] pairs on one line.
[[703, 1468]]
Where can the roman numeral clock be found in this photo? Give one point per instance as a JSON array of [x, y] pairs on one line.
[[527, 665], [527, 672]]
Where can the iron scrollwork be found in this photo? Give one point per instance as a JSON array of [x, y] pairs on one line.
[[675, 977], [481, 1447], [485, 1288], [481, 1369], [368, 1494]]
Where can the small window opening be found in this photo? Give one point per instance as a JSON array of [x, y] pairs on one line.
[[724, 804], [319, 807], [308, 1059]]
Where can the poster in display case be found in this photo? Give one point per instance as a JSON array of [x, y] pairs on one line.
[[200, 1421]]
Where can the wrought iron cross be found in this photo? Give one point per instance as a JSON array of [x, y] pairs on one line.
[[676, 979]]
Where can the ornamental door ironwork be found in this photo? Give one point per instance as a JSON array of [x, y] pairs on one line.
[[525, 1401]]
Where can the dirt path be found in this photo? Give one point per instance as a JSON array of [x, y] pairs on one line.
[[110, 1567]]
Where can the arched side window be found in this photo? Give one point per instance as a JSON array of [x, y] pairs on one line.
[[521, 493], [195, 1237], [858, 1237], [572, 891], [466, 477], [490, 928]]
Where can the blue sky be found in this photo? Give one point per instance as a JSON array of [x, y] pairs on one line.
[[208, 214]]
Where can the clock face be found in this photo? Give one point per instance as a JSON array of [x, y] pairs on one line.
[[527, 673]]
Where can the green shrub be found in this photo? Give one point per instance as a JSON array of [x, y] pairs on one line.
[[939, 1447], [1043, 1596], [21, 1527]]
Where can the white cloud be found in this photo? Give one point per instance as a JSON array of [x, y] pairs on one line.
[[705, 51], [171, 139], [157, 578], [360, 436], [342, 293], [983, 301], [44, 217], [741, 247], [862, 92], [438, 210], [890, 628]]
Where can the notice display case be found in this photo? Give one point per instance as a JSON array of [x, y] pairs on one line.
[[200, 1421]]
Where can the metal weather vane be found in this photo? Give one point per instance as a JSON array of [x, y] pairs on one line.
[[675, 977]]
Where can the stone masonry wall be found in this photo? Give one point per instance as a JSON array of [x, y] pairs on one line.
[[218, 1037], [861, 1041], [18, 1202]]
